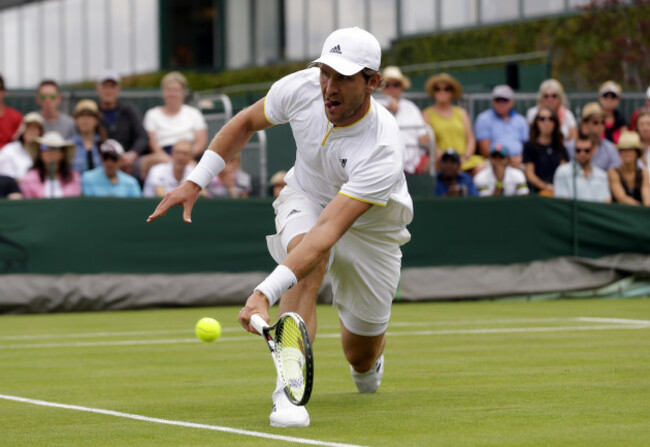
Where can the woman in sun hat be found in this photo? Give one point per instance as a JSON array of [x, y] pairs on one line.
[[52, 175], [90, 135], [629, 182], [450, 123], [409, 119], [15, 161]]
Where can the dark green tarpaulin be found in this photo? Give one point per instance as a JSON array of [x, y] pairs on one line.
[[88, 236]]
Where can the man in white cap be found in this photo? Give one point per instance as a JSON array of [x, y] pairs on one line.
[[108, 180], [122, 120], [501, 124], [345, 207]]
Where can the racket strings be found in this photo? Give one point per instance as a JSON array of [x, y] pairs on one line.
[[290, 351]]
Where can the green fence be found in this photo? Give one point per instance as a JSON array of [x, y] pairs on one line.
[[85, 235]]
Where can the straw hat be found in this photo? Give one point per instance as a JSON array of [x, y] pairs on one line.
[[610, 87], [52, 140], [394, 73], [446, 79], [31, 118], [278, 178], [629, 139], [591, 109], [86, 106]]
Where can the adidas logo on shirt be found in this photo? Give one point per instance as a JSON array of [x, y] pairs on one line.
[[336, 49], [344, 161]]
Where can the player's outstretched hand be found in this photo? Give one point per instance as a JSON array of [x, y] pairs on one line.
[[185, 195], [255, 304]]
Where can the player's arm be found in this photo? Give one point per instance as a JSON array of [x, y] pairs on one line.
[[334, 221], [224, 146]]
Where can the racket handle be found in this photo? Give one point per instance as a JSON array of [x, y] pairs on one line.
[[258, 323]]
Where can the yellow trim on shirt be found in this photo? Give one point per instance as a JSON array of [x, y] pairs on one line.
[[344, 127], [265, 116], [361, 200]]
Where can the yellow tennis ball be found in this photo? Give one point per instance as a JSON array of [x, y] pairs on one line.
[[208, 329]]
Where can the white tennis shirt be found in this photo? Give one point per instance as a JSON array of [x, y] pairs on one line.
[[363, 161]]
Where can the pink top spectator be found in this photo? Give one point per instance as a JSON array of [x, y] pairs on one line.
[[33, 188]]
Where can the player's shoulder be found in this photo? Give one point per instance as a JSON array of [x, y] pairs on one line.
[[300, 78]]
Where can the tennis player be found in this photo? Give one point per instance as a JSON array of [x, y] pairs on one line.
[[345, 207]]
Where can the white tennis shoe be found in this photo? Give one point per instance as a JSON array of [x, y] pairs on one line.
[[285, 414], [369, 381]]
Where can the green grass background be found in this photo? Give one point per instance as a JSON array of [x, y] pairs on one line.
[[564, 387]]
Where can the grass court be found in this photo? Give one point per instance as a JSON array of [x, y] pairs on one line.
[[549, 373]]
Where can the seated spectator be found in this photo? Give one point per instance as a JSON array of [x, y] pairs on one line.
[[610, 98], [277, 183], [108, 180], [502, 125], [591, 183], [172, 122], [49, 98], [544, 151], [643, 128], [122, 120], [450, 123], [231, 181], [551, 95], [10, 118], [645, 108], [164, 177], [15, 160], [499, 179], [9, 188], [592, 122], [450, 180], [629, 183], [90, 135], [409, 119], [52, 175]]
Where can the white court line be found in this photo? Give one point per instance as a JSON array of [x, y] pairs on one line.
[[612, 320], [105, 334], [608, 324], [136, 417]]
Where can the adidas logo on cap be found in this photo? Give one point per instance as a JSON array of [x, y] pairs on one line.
[[336, 49]]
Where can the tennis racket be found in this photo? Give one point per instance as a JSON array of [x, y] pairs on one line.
[[291, 353]]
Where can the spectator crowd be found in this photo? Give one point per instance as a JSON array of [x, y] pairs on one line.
[[108, 148]]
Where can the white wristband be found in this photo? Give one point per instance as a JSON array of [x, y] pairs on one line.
[[210, 165], [278, 282]]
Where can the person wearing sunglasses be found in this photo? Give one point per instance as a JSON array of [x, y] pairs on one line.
[[108, 180], [501, 124], [580, 179], [10, 118], [48, 97], [544, 151], [450, 122], [592, 122], [551, 95], [409, 119], [609, 95]]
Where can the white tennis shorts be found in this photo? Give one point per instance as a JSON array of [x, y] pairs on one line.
[[364, 266]]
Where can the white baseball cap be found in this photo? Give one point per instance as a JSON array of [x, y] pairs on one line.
[[109, 75], [350, 50], [647, 93]]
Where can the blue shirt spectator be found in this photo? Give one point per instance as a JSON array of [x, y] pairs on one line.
[[502, 125], [86, 159], [108, 180], [95, 183]]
